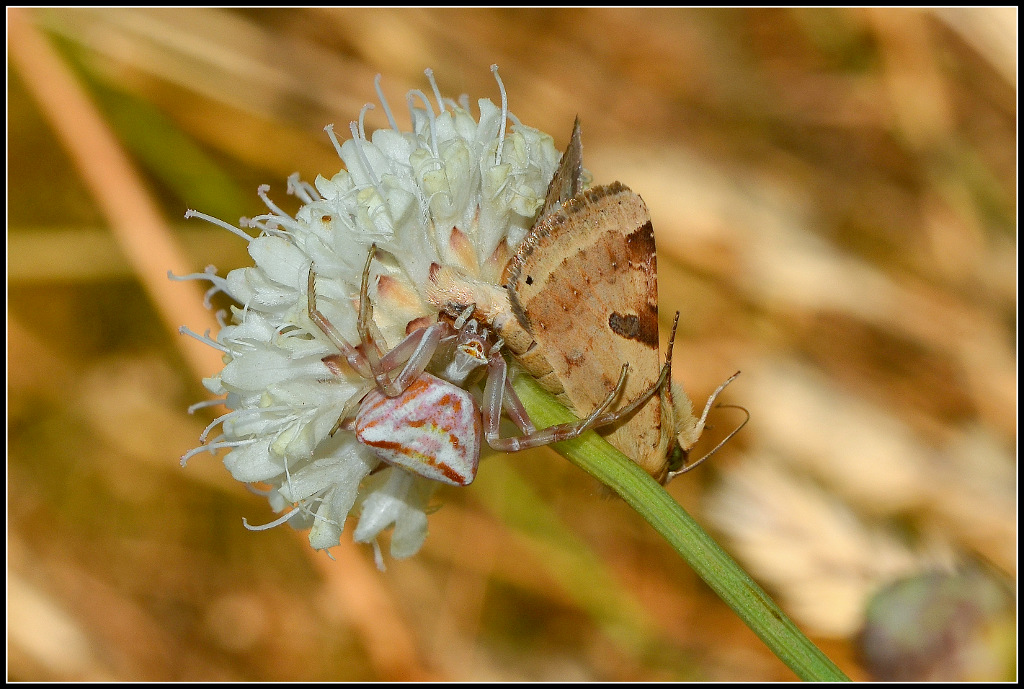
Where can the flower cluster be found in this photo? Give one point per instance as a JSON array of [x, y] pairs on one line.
[[455, 191]]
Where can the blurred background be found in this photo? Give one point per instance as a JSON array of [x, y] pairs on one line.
[[834, 199]]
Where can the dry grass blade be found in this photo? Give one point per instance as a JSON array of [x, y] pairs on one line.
[[110, 175], [147, 242]]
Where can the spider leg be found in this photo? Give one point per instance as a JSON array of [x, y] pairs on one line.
[[664, 379], [516, 411], [355, 359], [346, 419], [367, 345], [495, 392], [415, 352]]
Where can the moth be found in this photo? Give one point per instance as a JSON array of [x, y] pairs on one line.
[[580, 297]]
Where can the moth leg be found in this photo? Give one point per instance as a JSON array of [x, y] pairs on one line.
[[355, 359], [495, 392]]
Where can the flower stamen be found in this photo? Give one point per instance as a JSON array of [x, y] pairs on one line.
[[363, 159], [218, 443], [433, 85], [334, 140], [204, 338], [362, 118], [269, 224], [430, 117], [290, 411], [305, 191], [504, 114], [193, 408], [384, 102], [219, 283], [217, 221], [277, 522], [262, 192]]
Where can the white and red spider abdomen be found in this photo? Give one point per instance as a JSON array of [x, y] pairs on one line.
[[432, 429]]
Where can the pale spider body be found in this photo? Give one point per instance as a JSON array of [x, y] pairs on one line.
[[429, 424], [434, 428]]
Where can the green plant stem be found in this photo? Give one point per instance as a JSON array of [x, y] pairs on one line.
[[594, 455]]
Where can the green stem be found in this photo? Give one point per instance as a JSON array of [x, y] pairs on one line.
[[594, 455]]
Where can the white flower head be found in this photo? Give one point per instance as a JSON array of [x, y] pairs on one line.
[[457, 192]]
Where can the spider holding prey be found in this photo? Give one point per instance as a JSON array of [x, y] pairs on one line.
[[428, 424]]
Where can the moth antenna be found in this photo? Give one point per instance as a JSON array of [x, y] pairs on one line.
[[711, 401], [668, 354], [716, 448], [576, 147]]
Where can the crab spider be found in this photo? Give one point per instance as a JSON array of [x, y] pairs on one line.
[[429, 424]]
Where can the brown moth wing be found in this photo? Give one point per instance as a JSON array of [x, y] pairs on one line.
[[565, 185], [567, 180], [584, 284]]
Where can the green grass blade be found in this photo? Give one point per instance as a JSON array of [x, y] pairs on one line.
[[594, 455]]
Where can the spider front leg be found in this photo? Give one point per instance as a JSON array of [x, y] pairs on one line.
[[355, 359], [415, 352], [412, 354], [499, 395], [420, 344]]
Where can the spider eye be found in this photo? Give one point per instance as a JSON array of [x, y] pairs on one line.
[[473, 349]]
